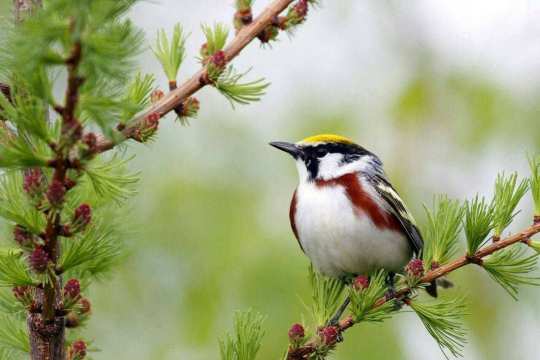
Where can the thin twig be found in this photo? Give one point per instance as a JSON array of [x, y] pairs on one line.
[[174, 98], [303, 352]]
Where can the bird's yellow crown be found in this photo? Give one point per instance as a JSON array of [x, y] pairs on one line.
[[326, 138]]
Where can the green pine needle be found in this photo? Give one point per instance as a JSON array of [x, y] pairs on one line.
[[14, 270], [442, 231], [15, 205], [327, 295], [478, 223], [9, 305], [216, 37], [228, 83], [508, 193], [27, 114], [13, 336], [138, 95], [19, 151], [442, 320], [535, 245], [93, 253], [245, 341], [171, 54], [362, 301], [511, 267], [111, 179], [534, 163], [242, 5]]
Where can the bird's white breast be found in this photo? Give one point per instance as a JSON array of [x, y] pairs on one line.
[[340, 239]]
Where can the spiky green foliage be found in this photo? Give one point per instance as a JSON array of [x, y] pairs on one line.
[[534, 164], [27, 114], [14, 343], [245, 340], [508, 193], [535, 245], [477, 223], [229, 84], [13, 270], [111, 179], [441, 233], [19, 151], [244, 4], [443, 321], [512, 267], [94, 253], [327, 294], [363, 300], [108, 41], [8, 305], [216, 37], [138, 95], [15, 205], [171, 53]]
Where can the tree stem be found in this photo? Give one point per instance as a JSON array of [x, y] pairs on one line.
[[174, 98], [305, 351]]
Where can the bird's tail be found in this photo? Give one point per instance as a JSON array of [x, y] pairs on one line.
[[444, 283]]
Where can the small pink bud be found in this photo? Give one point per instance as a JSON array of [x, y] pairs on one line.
[[218, 59], [22, 236], [361, 282], [85, 306], [21, 293], [56, 193], [415, 268], [90, 140], [39, 259], [296, 333], [72, 289], [301, 8], [33, 181], [78, 350], [190, 107], [82, 217], [329, 335], [153, 119], [156, 96], [72, 320], [204, 51]]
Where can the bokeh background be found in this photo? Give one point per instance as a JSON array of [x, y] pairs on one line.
[[446, 92]]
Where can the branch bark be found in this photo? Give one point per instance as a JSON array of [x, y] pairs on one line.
[[310, 347], [174, 98]]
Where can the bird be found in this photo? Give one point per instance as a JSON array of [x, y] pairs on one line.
[[345, 214]]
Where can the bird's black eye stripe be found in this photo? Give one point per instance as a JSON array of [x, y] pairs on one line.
[[321, 151]]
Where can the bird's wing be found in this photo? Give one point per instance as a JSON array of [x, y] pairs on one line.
[[397, 208]]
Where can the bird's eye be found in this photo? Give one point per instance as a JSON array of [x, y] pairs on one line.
[[321, 152]]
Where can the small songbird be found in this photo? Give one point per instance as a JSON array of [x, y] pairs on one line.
[[345, 214]]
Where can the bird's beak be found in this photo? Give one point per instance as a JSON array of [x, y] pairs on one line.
[[292, 149]]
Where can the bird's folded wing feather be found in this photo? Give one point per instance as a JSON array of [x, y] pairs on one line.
[[399, 210]]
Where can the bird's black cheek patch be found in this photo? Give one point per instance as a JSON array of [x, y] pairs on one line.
[[312, 166]]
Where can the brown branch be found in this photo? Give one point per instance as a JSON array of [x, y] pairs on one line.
[[175, 98], [303, 352]]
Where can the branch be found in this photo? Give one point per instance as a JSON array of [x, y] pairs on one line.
[[175, 98], [304, 351]]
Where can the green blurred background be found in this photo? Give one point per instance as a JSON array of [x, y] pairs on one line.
[[445, 92]]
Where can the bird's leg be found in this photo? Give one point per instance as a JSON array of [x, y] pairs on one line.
[[391, 292], [334, 321], [391, 285]]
